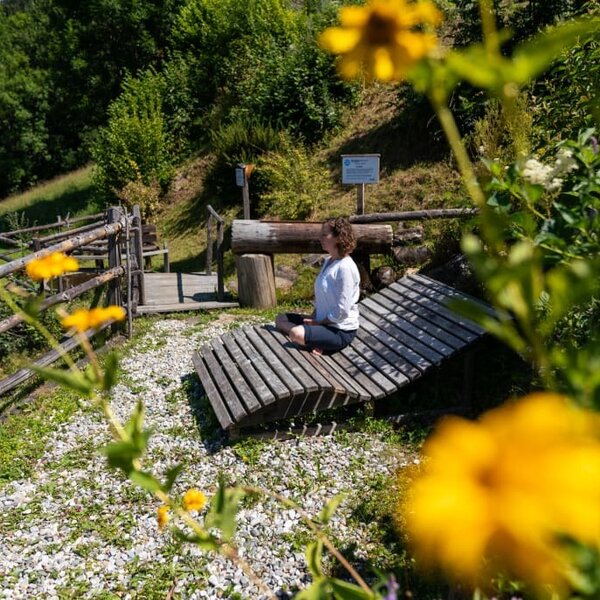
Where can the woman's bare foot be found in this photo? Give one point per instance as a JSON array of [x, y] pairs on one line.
[[317, 351]]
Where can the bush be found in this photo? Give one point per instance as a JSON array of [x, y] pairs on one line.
[[135, 144], [297, 182]]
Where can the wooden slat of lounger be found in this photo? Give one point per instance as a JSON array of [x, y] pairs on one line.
[[375, 315], [236, 377], [354, 388], [254, 379], [390, 363], [442, 300], [373, 390], [214, 397], [232, 401], [327, 385], [277, 348], [454, 293], [344, 391], [296, 388], [429, 310], [366, 368], [396, 358], [299, 394], [278, 387], [426, 332]]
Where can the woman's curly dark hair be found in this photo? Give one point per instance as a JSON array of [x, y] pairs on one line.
[[342, 230]]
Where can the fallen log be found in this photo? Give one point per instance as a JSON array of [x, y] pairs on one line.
[[300, 237]]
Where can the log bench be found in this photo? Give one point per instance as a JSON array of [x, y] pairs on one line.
[[254, 374]]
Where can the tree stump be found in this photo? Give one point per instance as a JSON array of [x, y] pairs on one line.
[[256, 280]]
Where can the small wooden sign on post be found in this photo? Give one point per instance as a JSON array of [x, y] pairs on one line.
[[360, 169]]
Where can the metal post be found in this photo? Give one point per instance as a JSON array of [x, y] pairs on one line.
[[360, 199]]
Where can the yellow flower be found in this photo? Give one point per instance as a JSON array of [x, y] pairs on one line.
[[194, 500], [82, 319], [162, 515], [50, 266], [497, 494], [385, 38]]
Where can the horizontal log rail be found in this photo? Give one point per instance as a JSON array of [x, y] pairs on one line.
[[66, 296], [68, 233], [59, 223], [415, 215], [10, 383], [4, 239], [64, 246]]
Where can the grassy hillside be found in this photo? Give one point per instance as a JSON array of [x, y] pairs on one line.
[[415, 173]]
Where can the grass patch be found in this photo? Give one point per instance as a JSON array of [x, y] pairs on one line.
[[25, 435], [72, 194]]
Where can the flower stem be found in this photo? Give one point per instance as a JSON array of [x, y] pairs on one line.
[[460, 153], [316, 530]]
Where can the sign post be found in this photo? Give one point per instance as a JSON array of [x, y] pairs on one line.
[[360, 169], [241, 180]]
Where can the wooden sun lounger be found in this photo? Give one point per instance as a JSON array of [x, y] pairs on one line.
[[254, 374]]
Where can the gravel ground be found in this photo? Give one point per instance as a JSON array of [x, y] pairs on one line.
[[76, 529]]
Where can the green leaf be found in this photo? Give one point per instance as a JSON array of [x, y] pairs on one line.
[[76, 381], [145, 480], [532, 57], [32, 307], [172, 475], [314, 552], [318, 590], [121, 455], [206, 542], [473, 64], [223, 510], [111, 371], [349, 591], [330, 508]]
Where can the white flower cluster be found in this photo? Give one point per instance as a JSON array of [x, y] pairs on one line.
[[550, 177]]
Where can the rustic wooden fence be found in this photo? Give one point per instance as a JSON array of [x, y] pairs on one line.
[[111, 249]]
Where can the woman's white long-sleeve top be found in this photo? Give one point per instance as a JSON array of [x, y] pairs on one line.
[[337, 290]]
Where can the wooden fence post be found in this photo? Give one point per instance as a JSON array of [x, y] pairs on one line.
[[114, 256], [138, 252]]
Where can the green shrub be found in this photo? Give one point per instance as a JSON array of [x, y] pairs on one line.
[[243, 140], [135, 144], [297, 182]]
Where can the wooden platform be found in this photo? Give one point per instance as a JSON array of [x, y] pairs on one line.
[[171, 292], [254, 374]]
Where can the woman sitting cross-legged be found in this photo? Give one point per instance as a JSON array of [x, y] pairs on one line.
[[334, 322]]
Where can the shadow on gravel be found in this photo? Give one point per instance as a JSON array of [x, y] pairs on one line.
[[212, 435]]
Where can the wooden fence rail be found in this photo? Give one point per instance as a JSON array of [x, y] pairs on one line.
[[59, 223], [117, 232]]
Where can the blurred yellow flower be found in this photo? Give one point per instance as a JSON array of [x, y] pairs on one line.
[[497, 493], [385, 38], [162, 515], [82, 319], [194, 500], [50, 266]]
